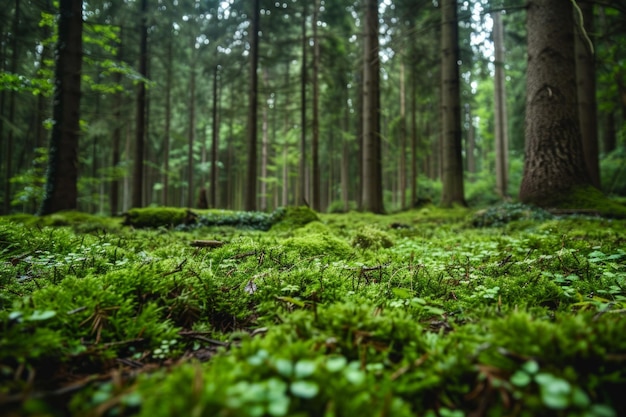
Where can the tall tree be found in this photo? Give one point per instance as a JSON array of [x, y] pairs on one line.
[[501, 133], [586, 81], [303, 81], [453, 192], [372, 196], [315, 162], [250, 191], [61, 184], [138, 165], [554, 165]]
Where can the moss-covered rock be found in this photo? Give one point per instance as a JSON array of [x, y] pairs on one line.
[[294, 218], [316, 239], [153, 217], [371, 237]]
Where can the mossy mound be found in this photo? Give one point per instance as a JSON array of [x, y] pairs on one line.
[[153, 217], [505, 213], [79, 221], [371, 237], [252, 220], [317, 239], [294, 218], [583, 200]]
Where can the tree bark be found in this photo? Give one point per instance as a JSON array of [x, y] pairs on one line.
[[215, 140], [168, 122], [250, 191], [501, 134], [302, 197], [191, 128], [316, 124], [372, 199], [453, 192], [586, 81], [138, 171], [61, 186], [554, 163]]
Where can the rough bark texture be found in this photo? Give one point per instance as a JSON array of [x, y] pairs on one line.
[[250, 191], [586, 82], [61, 185], [453, 192], [554, 163], [372, 199], [315, 180]]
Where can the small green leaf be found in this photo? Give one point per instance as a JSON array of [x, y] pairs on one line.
[[520, 379], [304, 368], [41, 315], [304, 389], [531, 367], [336, 363], [284, 367]]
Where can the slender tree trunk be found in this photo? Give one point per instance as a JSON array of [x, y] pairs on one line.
[[117, 140], [471, 143], [302, 196], [285, 180], [191, 129], [10, 135], [138, 170], [61, 186], [554, 165], [372, 199], [453, 192], [264, 147], [251, 186], [215, 140], [316, 125], [168, 122], [586, 81], [501, 134], [402, 140], [413, 137]]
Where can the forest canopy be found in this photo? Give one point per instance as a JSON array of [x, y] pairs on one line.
[[336, 104]]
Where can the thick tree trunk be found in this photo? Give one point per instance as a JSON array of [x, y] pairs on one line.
[[502, 136], [453, 192], [554, 163], [61, 186], [251, 177], [586, 81], [372, 199], [138, 171]]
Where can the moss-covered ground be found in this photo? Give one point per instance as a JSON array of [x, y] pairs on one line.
[[510, 311]]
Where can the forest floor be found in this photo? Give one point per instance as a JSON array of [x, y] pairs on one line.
[[505, 311]]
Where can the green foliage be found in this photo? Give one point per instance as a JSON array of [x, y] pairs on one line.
[[418, 313], [295, 217], [153, 217], [500, 215]]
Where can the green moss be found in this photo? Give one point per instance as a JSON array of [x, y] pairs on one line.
[[371, 237], [295, 217], [316, 239], [584, 200], [154, 217]]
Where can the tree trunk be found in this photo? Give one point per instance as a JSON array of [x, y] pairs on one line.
[[501, 134], [586, 81], [554, 165], [372, 199], [11, 119], [302, 197], [453, 192], [137, 194], [61, 185], [264, 146], [250, 191], [215, 140], [316, 124], [191, 128], [168, 122], [402, 140]]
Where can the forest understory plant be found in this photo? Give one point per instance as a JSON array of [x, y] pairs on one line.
[[510, 311]]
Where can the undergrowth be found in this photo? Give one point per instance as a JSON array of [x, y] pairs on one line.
[[428, 312]]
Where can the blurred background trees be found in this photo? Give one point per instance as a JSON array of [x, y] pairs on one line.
[[310, 116]]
